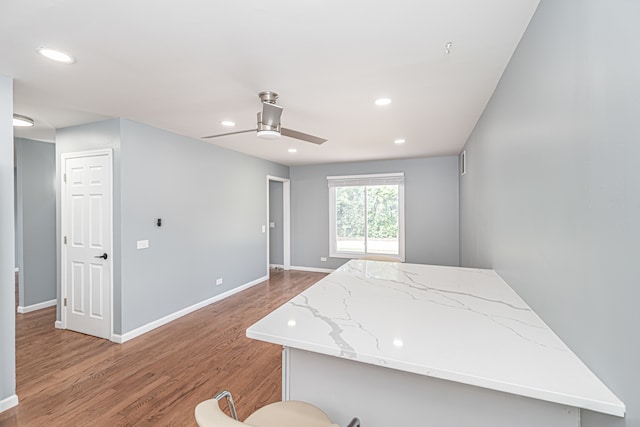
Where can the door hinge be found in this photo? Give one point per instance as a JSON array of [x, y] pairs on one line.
[[65, 177], [65, 240], [65, 302]]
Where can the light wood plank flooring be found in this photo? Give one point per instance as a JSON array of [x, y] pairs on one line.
[[70, 379]]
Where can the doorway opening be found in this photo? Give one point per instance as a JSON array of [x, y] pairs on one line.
[[278, 223]]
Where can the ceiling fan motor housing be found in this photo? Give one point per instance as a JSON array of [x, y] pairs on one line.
[[267, 126], [267, 131], [268, 96], [269, 117]]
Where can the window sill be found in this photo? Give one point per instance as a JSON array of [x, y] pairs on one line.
[[362, 256]]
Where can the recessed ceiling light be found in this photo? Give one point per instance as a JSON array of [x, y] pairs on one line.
[[22, 121], [292, 150], [56, 55], [399, 141], [383, 101], [227, 123], [398, 342]]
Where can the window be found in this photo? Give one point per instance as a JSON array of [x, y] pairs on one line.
[[366, 215]]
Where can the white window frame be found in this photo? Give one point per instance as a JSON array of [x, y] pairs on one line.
[[359, 181]]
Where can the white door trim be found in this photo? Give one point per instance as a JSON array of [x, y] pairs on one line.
[[286, 219], [64, 291]]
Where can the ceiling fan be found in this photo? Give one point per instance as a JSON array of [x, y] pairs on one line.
[[269, 122]]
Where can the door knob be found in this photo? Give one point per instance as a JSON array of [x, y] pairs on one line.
[[103, 256]]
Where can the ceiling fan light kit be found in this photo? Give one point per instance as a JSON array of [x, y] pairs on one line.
[[268, 126], [268, 134]]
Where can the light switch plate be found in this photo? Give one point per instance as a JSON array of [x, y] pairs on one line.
[[272, 225], [142, 244]]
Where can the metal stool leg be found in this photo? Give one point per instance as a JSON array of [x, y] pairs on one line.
[[232, 407]]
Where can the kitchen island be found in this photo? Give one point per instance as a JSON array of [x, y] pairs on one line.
[[419, 345]]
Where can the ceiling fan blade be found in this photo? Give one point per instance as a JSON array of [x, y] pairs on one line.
[[271, 114], [303, 136], [230, 133]]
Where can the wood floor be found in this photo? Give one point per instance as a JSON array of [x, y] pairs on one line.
[[69, 379]]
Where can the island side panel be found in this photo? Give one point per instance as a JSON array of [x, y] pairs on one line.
[[382, 397]]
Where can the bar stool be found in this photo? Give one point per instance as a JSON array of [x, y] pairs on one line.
[[288, 413]]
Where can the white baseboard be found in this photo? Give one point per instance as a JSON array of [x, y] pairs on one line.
[[58, 324], [312, 269], [8, 403], [173, 316], [38, 306]]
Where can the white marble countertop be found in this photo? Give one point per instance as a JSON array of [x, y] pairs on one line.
[[458, 324]]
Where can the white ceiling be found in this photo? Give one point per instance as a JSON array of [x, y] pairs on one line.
[[185, 66]]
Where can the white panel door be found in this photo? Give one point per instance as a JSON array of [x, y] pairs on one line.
[[87, 244]]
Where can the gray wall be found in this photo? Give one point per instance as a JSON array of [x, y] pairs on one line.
[[7, 256], [276, 239], [431, 209], [551, 199], [36, 220], [212, 202], [93, 136]]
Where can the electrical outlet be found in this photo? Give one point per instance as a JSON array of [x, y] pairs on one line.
[[142, 244], [219, 281], [323, 259]]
